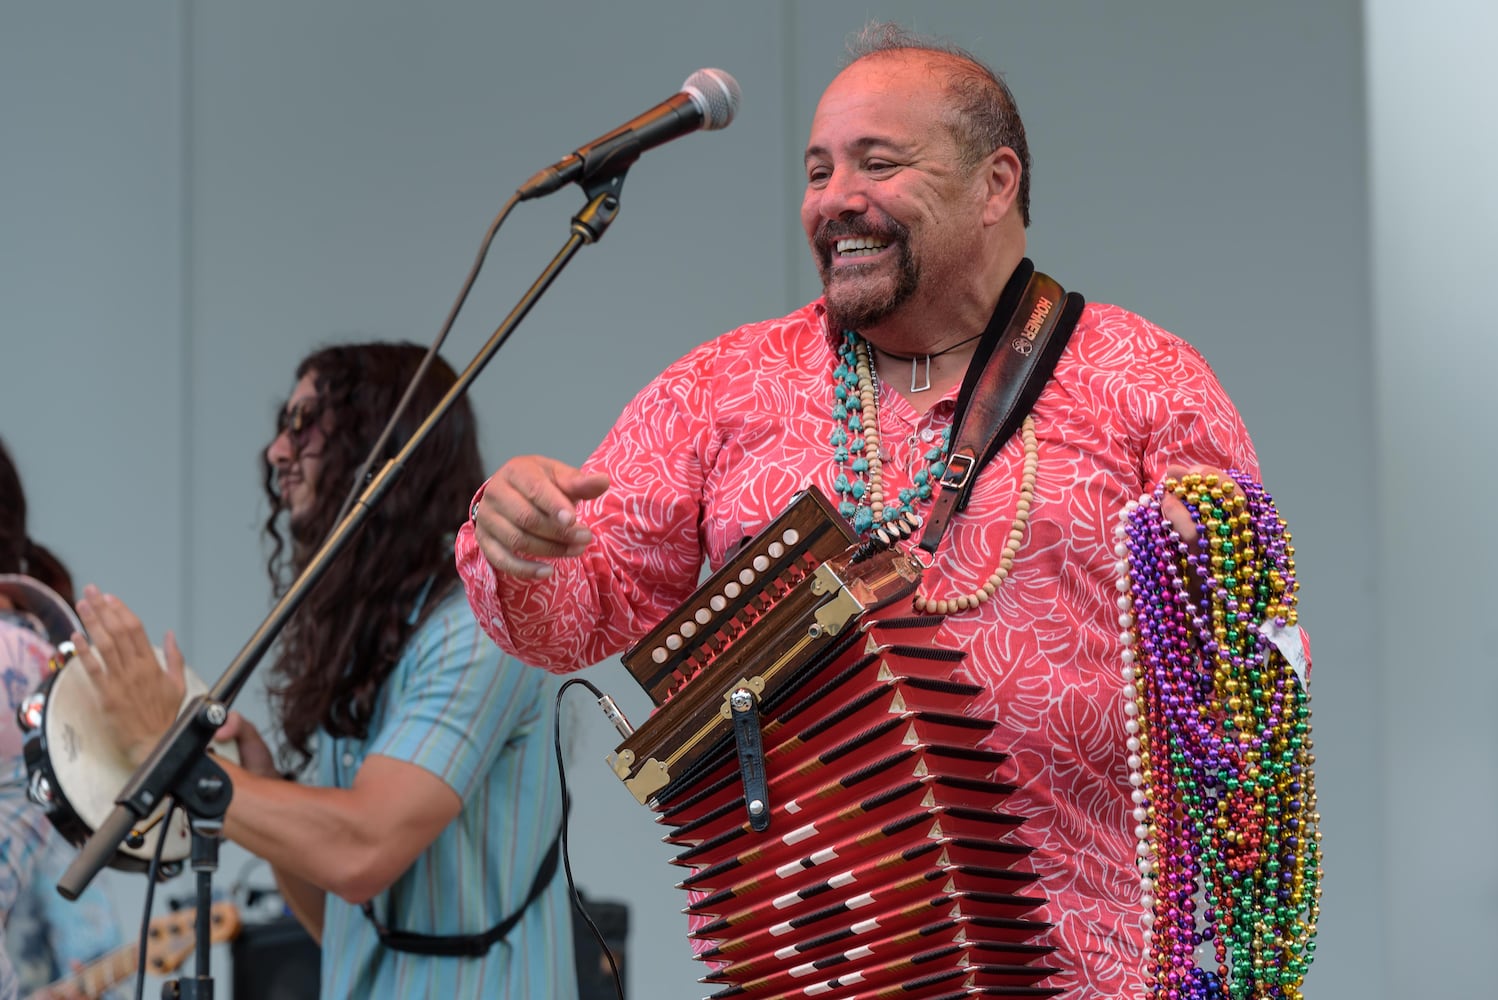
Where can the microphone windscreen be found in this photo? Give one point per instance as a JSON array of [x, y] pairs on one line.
[[716, 94]]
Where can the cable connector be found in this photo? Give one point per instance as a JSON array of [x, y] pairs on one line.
[[612, 713]]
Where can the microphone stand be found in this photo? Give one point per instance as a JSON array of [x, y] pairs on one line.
[[179, 766]]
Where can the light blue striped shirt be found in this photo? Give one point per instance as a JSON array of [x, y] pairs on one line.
[[481, 721]]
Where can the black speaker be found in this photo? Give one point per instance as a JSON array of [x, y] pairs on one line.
[[275, 961], [595, 980]]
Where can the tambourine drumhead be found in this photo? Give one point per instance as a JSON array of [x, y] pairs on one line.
[[77, 770]]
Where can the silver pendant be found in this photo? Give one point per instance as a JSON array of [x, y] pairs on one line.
[[916, 374]]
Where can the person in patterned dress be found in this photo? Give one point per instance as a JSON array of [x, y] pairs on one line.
[[46, 936]]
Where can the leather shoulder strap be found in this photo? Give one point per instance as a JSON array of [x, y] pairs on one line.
[[1015, 359]]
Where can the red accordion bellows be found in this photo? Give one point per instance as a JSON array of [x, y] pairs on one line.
[[884, 870]]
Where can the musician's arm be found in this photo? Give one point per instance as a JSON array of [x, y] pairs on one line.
[[1183, 417], [303, 899], [350, 841], [646, 550], [452, 706], [353, 842]]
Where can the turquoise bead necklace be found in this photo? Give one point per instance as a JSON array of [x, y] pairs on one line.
[[855, 445]]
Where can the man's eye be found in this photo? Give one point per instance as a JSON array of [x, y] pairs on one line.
[[296, 421], [817, 175]]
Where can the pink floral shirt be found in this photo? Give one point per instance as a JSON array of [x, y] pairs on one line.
[[713, 449]]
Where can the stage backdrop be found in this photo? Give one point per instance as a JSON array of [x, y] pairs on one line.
[[193, 195]]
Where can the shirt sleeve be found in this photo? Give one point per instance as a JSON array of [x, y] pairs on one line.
[[646, 552], [1181, 411], [456, 701]]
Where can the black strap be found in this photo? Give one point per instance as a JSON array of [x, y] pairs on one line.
[[1025, 337], [468, 945]]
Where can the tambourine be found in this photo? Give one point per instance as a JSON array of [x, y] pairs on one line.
[[52, 612], [76, 771]]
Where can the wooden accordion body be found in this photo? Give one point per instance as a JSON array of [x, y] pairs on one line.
[[868, 856]]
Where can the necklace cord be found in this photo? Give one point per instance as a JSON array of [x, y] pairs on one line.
[[933, 354]]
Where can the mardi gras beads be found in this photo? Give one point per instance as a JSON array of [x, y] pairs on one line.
[[1219, 742]]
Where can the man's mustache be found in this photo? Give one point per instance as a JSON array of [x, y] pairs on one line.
[[832, 230]]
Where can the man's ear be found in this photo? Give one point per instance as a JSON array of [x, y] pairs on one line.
[[1002, 172]]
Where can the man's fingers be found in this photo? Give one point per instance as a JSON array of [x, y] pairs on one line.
[[116, 635], [1175, 509], [537, 500], [87, 657], [526, 514], [505, 561], [547, 491], [589, 487], [93, 650], [1179, 517], [527, 507], [176, 663]]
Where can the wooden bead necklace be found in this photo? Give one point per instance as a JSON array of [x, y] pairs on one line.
[[864, 501]]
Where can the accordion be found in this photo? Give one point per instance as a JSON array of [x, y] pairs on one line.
[[838, 815]]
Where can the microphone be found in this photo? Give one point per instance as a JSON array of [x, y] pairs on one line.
[[708, 100]]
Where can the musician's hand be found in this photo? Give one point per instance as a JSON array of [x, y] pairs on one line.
[[527, 513], [137, 699], [1175, 510], [255, 754], [1179, 517]]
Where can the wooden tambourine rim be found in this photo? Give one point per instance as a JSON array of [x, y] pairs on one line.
[[67, 753]]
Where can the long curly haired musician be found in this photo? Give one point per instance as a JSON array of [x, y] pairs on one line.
[[416, 842], [361, 611]]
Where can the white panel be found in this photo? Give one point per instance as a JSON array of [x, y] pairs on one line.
[[1434, 157]]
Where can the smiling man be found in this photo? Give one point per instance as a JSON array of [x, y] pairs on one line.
[[915, 209]]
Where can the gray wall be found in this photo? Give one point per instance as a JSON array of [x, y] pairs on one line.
[[193, 195]]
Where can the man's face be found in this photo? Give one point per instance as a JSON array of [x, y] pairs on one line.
[[296, 451], [889, 212]]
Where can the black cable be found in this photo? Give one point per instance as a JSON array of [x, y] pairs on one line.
[[577, 903], [153, 872], [365, 471]]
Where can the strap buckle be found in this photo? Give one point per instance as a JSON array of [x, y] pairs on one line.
[[959, 470]]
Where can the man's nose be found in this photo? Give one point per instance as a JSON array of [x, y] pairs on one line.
[[843, 195], [280, 452]]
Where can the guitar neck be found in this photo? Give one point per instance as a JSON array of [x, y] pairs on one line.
[[98, 976], [169, 940]]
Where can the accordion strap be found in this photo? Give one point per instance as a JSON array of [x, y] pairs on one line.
[[1019, 350]]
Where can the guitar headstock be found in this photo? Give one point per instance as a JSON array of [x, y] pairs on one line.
[[170, 938]]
